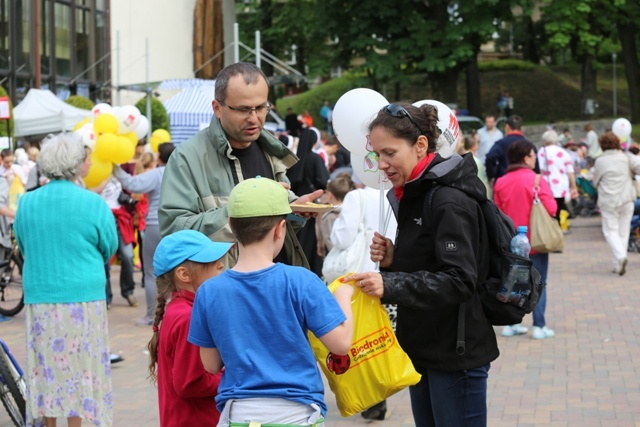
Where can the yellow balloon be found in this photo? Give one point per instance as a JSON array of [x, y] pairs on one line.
[[98, 172], [105, 123], [81, 123], [155, 141], [132, 138], [162, 134], [125, 152], [107, 146]]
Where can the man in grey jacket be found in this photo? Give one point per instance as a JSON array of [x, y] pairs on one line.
[[205, 168]]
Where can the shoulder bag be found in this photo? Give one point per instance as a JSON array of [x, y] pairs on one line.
[[546, 234]]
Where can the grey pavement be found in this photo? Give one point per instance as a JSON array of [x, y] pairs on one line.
[[587, 375]]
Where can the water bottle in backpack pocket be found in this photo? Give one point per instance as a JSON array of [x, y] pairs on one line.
[[515, 288]]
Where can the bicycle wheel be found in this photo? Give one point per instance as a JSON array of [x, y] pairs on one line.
[[11, 293], [12, 390]]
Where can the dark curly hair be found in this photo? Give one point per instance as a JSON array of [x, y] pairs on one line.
[[426, 116]]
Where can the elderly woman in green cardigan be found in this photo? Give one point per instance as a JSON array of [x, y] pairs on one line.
[[66, 234]]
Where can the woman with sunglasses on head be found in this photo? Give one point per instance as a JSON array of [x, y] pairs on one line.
[[434, 269]]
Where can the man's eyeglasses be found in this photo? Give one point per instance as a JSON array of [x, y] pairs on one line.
[[399, 112], [260, 110]]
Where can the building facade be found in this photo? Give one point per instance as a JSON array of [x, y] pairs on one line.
[[61, 45]]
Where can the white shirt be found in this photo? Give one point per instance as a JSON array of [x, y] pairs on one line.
[[345, 227], [486, 139]]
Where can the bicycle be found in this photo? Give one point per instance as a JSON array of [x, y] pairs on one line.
[[13, 387], [11, 292]]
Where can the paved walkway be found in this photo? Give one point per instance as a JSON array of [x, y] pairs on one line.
[[588, 375]]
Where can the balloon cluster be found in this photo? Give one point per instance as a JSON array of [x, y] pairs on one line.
[[112, 133], [354, 112]]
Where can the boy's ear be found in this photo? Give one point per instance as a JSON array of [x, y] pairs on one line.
[[280, 229]]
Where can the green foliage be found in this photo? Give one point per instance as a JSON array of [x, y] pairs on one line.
[[506, 65], [80, 102], [541, 94], [313, 99], [159, 118], [3, 123], [582, 24]]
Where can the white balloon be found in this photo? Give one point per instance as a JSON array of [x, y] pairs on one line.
[[143, 128], [128, 118], [622, 128], [448, 125], [366, 170], [100, 109], [87, 135], [352, 115]]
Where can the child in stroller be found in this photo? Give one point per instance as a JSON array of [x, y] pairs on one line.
[[586, 204]]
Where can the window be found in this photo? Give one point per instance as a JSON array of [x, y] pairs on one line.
[[62, 20]]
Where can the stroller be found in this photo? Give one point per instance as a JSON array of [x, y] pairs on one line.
[[586, 204]]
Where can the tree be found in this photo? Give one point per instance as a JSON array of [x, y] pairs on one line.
[[584, 26], [628, 28], [283, 25], [395, 39], [79, 101], [159, 118]]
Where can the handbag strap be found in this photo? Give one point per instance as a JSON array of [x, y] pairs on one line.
[[536, 190]]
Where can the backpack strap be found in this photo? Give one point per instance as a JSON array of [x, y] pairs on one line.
[[461, 344]]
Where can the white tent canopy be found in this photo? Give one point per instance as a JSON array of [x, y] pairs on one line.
[[41, 112]]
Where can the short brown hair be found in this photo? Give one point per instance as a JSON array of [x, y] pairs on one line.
[[609, 141], [340, 186], [253, 229]]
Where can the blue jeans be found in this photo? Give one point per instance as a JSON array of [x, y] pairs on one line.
[[450, 399], [541, 263]]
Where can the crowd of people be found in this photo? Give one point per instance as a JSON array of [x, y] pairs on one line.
[[233, 274]]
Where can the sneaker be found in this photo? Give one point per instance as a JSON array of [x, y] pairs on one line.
[[509, 331], [541, 333], [145, 321], [623, 267], [115, 358]]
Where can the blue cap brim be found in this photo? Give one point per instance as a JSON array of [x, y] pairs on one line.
[[212, 252]]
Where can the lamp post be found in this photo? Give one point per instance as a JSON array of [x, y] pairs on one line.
[[615, 89]]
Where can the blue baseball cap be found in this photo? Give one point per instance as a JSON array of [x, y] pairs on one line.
[[186, 245]]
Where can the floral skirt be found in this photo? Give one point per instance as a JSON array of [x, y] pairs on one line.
[[68, 370]]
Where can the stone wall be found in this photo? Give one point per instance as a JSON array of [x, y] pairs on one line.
[[534, 132]]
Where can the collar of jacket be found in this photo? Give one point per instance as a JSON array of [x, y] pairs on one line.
[[268, 142]]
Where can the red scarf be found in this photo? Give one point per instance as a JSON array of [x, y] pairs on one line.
[[417, 171]]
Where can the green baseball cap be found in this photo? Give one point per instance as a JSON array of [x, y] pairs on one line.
[[256, 197]]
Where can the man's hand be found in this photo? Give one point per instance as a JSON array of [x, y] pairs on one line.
[[307, 198]]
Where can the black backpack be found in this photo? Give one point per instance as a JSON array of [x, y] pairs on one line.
[[500, 231]]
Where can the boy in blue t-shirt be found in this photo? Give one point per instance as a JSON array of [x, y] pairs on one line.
[[254, 318]]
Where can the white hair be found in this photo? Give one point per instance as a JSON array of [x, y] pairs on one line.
[[61, 156], [21, 156], [550, 137]]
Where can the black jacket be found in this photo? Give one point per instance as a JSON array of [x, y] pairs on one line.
[[439, 258]]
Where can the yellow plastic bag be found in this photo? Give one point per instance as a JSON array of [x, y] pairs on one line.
[[16, 190], [376, 366]]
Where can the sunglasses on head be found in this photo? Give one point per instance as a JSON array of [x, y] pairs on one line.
[[399, 112]]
